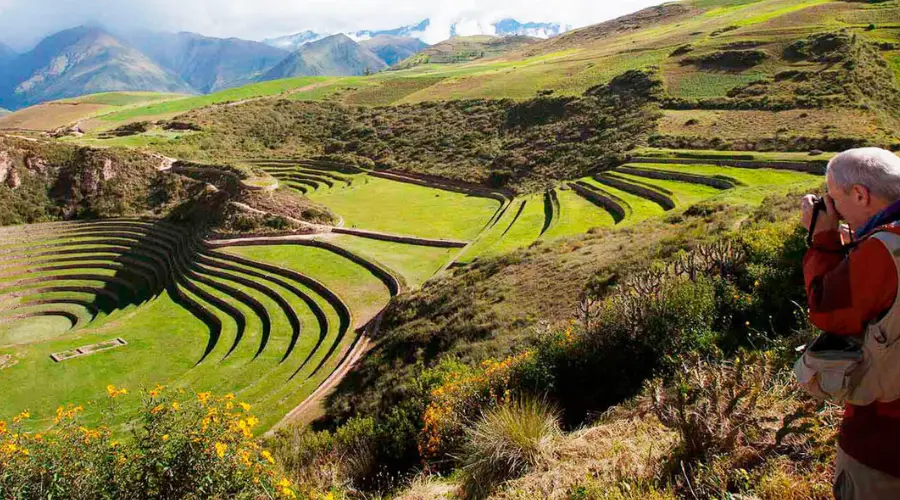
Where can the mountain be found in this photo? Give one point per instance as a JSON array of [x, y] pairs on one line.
[[510, 27], [78, 61], [295, 41], [209, 64], [392, 49], [337, 55], [413, 30], [461, 27], [6, 53], [467, 48]]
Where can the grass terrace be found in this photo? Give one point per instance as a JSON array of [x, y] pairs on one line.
[[205, 319]]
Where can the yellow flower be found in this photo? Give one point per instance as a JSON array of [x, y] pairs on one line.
[[156, 391], [203, 397], [245, 406], [268, 456], [221, 448], [114, 393], [165, 437], [229, 397], [175, 405], [228, 405], [284, 483], [21, 416], [3, 427], [252, 421]]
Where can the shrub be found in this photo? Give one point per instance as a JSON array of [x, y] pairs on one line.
[[180, 446], [458, 398], [324, 460], [715, 407], [507, 442]]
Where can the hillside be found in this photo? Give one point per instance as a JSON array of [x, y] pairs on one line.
[[393, 49], [336, 55], [209, 64], [460, 49], [77, 62], [6, 54]]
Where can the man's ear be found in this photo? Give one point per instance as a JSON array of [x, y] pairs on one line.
[[861, 194]]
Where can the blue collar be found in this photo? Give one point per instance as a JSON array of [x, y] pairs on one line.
[[886, 216]]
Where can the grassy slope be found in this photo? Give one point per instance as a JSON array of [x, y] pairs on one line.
[[362, 291], [164, 342], [415, 263], [400, 208], [577, 216]]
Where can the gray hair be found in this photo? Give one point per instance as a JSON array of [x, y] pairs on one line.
[[875, 168]]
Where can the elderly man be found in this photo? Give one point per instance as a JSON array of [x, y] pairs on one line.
[[850, 287]]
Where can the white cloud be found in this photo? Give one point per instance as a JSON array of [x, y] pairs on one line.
[[23, 22]]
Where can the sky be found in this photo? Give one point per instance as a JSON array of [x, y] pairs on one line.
[[24, 22]]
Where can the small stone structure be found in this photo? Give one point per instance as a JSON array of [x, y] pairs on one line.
[[88, 350]]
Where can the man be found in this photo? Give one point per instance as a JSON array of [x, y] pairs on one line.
[[850, 287]]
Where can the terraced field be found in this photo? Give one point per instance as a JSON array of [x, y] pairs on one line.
[[275, 320], [627, 195], [267, 323], [388, 203]]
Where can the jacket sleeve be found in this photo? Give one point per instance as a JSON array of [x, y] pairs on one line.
[[846, 292]]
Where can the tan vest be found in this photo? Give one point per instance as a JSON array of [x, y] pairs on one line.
[[866, 371]]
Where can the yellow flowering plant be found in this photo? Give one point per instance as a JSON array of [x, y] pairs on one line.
[[178, 445], [462, 393]]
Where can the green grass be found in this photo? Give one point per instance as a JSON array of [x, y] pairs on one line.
[[123, 98], [683, 193], [518, 227], [641, 208], [407, 209], [767, 14], [577, 216], [894, 60], [759, 182], [363, 292], [703, 85], [33, 329], [524, 231], [415, 263], [236, 94], [729, 155], [164, 342]]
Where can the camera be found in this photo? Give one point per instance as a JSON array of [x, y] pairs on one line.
[[818, 206]]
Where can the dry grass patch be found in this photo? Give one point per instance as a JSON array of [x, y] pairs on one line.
[[732, 125], [49, 116], [618, 451]]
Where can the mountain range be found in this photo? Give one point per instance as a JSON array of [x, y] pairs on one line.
[[337, 55], [462, 27], [90, 59], [208, 64]]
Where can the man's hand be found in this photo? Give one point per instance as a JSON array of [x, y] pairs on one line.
[[828, 220]]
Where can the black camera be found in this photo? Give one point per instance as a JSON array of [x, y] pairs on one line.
[[818, 206]]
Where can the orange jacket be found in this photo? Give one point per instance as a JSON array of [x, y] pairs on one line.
[[846, 292]]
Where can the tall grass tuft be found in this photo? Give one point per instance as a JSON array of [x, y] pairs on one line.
[[507, 442]]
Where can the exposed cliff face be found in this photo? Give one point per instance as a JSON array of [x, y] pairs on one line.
[[47, 181]]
